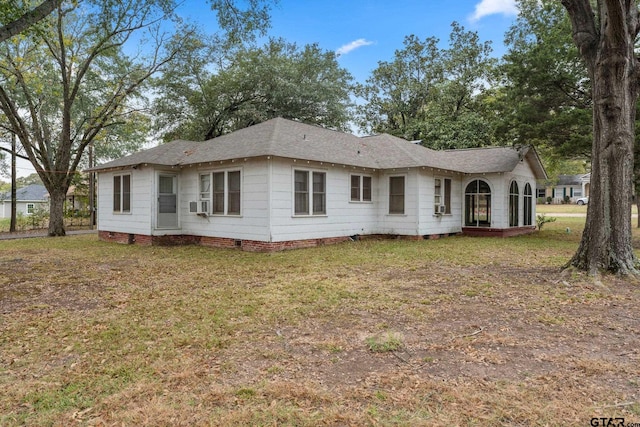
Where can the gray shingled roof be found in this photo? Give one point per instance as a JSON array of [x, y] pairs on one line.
[[290, 139], [572, 179], [30, 193]]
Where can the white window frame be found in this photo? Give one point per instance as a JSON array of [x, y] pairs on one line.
[[404, 194], [310, 194], [208, 196], [440, 193], [360, 188], [31, 208], [122, 195]]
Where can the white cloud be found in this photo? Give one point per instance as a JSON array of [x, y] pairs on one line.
[[494, 7], [343, 50]]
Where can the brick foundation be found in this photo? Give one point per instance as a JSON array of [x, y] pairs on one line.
[[245, 245], [497, 232]]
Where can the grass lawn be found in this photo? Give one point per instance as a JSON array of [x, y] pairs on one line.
[[571, 209], [456, 331]]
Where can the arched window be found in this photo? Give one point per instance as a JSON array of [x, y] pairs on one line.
[[528, 205], [513, 204], [477, 198]]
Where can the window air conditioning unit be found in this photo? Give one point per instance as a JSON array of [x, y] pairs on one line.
[[439, 209], [199, 207]]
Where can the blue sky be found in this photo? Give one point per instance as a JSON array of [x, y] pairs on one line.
[[365, 32]]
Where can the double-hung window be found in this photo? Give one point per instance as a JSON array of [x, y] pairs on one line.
[[360, 188], [220, 192], [396, 195], [122, 193], [442, 196], [310, 192]]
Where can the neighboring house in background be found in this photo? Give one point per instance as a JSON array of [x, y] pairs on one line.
[[77, 199], [284, 184], [29, 199], [572, 186]]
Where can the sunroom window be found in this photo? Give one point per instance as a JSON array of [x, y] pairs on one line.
[[477, 197]]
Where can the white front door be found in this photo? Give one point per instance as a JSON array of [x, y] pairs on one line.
[[167, 201]]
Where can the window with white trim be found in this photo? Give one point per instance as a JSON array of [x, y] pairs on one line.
[[122, 193], [528, 205], [514, 204], [310, 192], [360, 188], [396, 194], [220, 192], [31, 208], [442, 195]]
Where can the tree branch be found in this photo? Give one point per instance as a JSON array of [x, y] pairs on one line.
[[12, 152], [585, 34], [28, 19]]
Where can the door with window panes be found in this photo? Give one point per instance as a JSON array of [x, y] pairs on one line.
[[167, 201]]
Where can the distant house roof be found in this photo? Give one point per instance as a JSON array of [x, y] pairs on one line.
[[291, 139], [30, 193], [573, 179]]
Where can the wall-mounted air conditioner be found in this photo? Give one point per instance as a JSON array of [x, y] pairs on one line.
[[199, 207]]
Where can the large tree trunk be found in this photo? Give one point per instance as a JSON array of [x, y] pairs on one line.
[[607, 45], [56, 211]]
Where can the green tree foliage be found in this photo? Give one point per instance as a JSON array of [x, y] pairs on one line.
[[70, 83], [545, 93], [203, 100], [432, 94]]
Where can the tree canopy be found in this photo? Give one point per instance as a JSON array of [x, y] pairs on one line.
[[432, 94], [205, 99], [544, 92]]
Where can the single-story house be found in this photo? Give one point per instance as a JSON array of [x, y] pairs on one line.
[[28, 200], [283, 184], [571, 186]]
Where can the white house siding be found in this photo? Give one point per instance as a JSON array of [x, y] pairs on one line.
[[343, 217], [429, 223], [21, 208], [251, 224], [138, 221]]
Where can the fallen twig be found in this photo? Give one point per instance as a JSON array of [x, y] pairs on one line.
[[469, 335], [399, 357]]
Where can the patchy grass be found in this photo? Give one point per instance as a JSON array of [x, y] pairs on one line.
[[456, 331]]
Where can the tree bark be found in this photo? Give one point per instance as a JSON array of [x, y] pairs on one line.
[[57, 197], [609, 54]]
